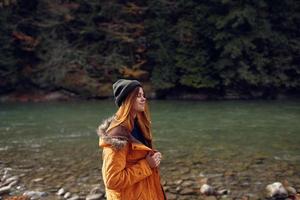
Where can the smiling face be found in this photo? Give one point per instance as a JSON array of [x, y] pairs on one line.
[[140, 101]]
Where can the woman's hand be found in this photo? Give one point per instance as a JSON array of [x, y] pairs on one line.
[[154, 159]]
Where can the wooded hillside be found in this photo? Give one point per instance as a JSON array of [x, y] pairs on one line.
[[216, 47]]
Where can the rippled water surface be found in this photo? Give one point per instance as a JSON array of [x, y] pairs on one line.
[[238, 145]]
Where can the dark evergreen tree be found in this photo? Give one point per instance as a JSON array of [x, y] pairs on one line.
[[246, 47]]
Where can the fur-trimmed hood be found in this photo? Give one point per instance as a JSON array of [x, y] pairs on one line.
[[118, 140]]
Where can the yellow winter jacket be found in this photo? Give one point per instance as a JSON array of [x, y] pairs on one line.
[[126, 173]]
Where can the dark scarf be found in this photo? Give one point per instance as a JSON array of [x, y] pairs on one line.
[[137, 133]]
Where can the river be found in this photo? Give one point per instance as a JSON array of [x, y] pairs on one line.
[[237, 145]]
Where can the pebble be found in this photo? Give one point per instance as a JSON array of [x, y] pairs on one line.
[[5, 174], [171, 196], [4, 177], [276, 190], [184, 170], [202, 175], [96, 190], [207, 189], [75, 197], [35, 194], [173, 190], [187, 183], [172, 169], [187, 191], [291, 190], [203, 180], [20, 187], [61, 192], [13, 183], [67, 195], [9, 180], [166, 188], [37, 180], [5, 189], [223, 192], [94, 197]]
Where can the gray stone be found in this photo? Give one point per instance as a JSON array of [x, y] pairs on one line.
[[97, 190], [13, 183], [184, 170], [166, 188], [11, 179], [207, 189], [276, 190], [35, 198], [20, 187], [187, 191], [74, 197], [172, 169], [37, 180], [187, 183], [171, 196], [5, 190], [291, 190], [6, 172], [35, 194], [61, 192], [173, 190], [223, 192], [67, 195], [3, 178], [178, 189], [203, 181], [94, 197]]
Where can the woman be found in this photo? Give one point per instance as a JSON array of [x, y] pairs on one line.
[[130, 164]]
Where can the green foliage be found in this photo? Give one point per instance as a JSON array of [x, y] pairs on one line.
[[240, 46], [8, 59], [237, 45]]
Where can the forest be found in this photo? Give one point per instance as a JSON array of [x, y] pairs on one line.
[[213, 49]]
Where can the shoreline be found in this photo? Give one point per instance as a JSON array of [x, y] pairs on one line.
[[63, 95]]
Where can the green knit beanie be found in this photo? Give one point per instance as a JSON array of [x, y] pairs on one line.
[[122, 89]]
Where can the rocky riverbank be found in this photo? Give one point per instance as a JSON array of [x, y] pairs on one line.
[[12, 187], [74, 172], [15, 185]]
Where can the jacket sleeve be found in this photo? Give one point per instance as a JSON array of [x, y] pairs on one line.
[[116, 174]]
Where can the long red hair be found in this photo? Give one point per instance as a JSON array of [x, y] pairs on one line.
[[124, 117]]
